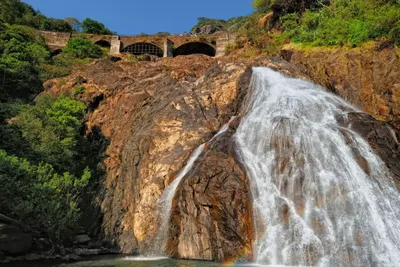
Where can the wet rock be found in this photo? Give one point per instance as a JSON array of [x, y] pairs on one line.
[[212, 214], [71, 257], [82, 239], [32, 257], [382, 137], [366, 77]]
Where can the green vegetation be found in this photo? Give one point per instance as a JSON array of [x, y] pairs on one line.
[[43, 153], [25, 61], [95, 27], [51, 128], [39, 197], [78, 90], [21, 53], [17, 12], [43, 182], [340, 22], [82, 48]]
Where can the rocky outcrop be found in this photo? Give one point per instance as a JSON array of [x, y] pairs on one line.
[[368, 76], [207, 29], [382, 137], [155, 114]]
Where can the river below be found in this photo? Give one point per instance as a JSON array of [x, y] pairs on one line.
[[121, 262]]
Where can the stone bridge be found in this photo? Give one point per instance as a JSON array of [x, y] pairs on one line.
[[162, 46]]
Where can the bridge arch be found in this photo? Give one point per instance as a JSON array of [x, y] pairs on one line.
[[103, 43], [144, 48], [195, 48]]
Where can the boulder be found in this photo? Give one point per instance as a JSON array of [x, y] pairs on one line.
[[82, 239], [71, 257], [207, 29], [13, 239]]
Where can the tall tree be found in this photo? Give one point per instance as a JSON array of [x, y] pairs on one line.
[[94, 27]]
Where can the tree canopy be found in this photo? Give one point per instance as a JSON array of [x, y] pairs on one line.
[[95, 27]]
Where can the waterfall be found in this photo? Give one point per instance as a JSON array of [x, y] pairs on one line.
[[165, 201], [321, 196]]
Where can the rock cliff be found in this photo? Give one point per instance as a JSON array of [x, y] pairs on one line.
[[152, 115]]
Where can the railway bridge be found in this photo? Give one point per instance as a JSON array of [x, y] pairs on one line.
[[161, 46]]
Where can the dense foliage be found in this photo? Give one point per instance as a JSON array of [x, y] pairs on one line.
[[51, 128], [345, 22], [39, 197], [95, 27], [25, 62], [327, 23], [17, 12], [43, 154], [42, 185], [82, 48], [21, 53]]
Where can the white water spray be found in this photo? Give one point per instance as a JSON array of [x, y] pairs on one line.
[[160, 242], [321, 195]]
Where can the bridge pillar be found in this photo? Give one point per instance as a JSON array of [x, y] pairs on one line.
[[115, 45], [228, 38], [168, 48]]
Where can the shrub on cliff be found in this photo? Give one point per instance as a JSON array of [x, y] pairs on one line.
[[345, 22], [82, 48]]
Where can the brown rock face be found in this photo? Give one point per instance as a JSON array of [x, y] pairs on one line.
[[382, 137], [154, 114], [368, 77], [149, 117]]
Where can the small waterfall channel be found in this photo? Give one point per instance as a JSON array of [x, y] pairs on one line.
[[165, 201], [314, 203]]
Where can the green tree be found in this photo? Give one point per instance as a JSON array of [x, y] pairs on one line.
[[51, 127], [21, 52], [82, 48], [39, 197], [94, 27]]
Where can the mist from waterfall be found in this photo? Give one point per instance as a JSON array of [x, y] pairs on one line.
[[321, 196]]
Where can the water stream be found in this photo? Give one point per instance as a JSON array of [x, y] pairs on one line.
[[165, 201], [321, 196]]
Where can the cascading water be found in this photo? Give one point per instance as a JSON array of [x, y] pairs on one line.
[[165, 201], [314, 203]]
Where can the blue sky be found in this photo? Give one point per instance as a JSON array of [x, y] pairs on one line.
[[143, 16]]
